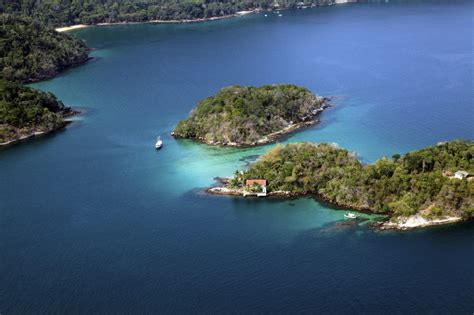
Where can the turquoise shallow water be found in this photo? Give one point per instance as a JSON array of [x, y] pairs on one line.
[[93, 219]]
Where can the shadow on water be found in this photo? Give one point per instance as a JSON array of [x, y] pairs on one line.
[[36, 140], [187, 144], [343, 230], [249, 159]]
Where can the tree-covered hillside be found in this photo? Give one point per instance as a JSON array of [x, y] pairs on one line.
[[243, 115], [30, 52], [24, 111], [419, 182], [67, 12]]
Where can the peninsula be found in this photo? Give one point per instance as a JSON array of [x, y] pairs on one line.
[[425, 187], [249, 116], [25, 112]]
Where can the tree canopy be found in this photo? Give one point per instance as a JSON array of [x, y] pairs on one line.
[[29, 51], [24, 110], [67, 12], [418, 182], [246, 114]]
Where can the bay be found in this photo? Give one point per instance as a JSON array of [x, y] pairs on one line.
[[94, 220]]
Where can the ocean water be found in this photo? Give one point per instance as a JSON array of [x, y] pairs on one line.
[[94, 220]]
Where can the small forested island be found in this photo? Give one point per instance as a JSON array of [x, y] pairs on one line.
[[25, 112], [425, 187], [30, 51], [69, 12], [249, 116]]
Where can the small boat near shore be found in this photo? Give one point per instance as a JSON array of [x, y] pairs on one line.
[[350, 215], [158, 143]]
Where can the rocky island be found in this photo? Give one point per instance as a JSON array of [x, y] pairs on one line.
[[249, 116], [426, 187]]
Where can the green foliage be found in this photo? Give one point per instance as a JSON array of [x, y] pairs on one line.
[[30, 52], [67, 12], [403, 186], [244, 115], [24, 110]]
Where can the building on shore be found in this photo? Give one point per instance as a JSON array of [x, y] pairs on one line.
[[461, 174], [256, 187]]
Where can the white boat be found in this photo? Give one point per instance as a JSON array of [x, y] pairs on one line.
[[159, 143], [350, 215]]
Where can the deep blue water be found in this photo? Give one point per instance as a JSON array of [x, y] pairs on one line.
[[94, 220]]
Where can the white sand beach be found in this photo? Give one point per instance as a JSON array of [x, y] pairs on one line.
[[70, 28]]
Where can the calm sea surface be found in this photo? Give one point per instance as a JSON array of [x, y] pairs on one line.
[[94, 220]]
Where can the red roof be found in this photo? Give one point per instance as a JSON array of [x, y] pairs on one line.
[[251, 182]]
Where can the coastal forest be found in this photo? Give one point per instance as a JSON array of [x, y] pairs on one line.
[[247, 115], [420, 182], [30, 51], [25, 111], [68, 12]]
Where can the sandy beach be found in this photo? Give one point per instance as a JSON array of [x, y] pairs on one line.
[[70, 28], [78, 26], [237, 14]]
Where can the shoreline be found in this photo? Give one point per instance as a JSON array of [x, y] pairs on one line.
[[400, 223], [32, 135], [39, 133], [59, 71], [417, 221], [70, 28], [271, 137], [268, 139], [223, 190], [198, 20]]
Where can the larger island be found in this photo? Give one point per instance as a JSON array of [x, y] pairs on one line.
[[424, 187]]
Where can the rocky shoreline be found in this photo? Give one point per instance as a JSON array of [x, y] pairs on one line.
[[33, 133], [222, 190], [272, 137], [400, 223], [417, 221], [54, 72]]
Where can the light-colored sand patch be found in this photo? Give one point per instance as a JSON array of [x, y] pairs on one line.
[[70, 28], [416, 221], [243, 12]]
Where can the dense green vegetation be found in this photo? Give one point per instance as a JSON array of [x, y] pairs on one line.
[[67, 12], [24, 111], [244, 115], [30, 52], [418, 182]]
